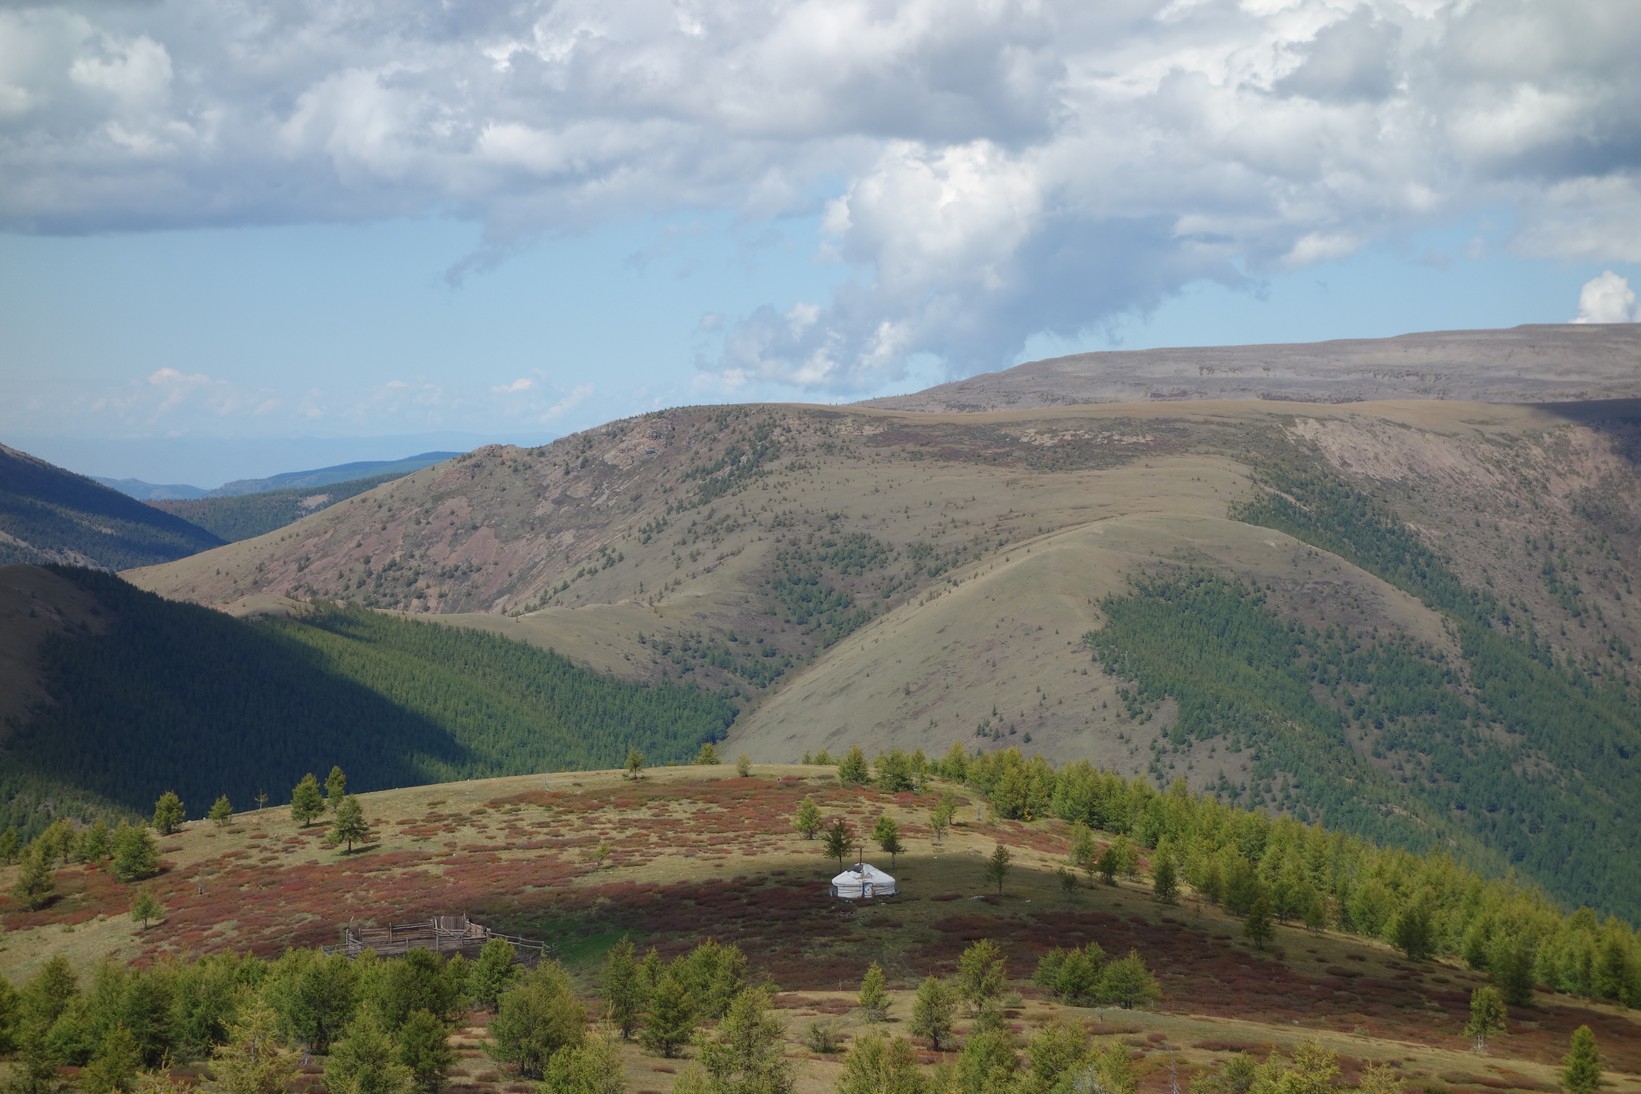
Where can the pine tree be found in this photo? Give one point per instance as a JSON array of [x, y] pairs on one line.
[[997, 867], [1581, 1068], [168, 813], [145, 906], [671, 1020], [350, 826], [336, 787], [623, 988], [887, 834], [1487, 1016], [222, 811], [807, 820], [306, 801], [874, 994], [932, 1011]]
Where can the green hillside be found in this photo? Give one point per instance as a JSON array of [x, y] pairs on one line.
[[51, 515], [173, 696]]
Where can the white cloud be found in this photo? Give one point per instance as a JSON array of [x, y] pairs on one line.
[[1607, 299], [989, 169], [523, 383]]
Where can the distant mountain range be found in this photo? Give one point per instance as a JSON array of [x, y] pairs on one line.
[[322, 476]]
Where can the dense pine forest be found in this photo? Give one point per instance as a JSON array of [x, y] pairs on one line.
[[178, 697]]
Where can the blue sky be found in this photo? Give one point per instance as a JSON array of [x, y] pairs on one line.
[[243, 239]]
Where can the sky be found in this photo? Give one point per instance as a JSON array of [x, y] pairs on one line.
[[240, 238]]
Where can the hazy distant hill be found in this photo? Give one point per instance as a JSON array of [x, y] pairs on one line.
[[288, 480], [1530, 364], [51, 515], [243, 516], [326, 476], [149, 491]]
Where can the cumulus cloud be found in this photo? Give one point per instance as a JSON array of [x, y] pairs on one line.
[[1607, 299], [986, 169], [523, 383]]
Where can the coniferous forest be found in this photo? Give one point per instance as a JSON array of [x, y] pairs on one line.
[[173, 696]]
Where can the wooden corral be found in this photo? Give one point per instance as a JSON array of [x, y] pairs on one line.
[[445, 934]]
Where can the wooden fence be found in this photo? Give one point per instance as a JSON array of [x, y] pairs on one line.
[[446, 934]]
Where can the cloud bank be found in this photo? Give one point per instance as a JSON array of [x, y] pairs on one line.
[[1607, 299], [985, 170]]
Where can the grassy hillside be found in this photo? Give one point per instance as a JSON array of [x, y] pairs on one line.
[[695, 854], [51, 515], [921, 580], [172, 696], [234, 517]]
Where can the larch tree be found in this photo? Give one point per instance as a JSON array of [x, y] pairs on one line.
[[350, 826], [1487, 1016], [306, 801], [35, 879], [887, 834], [145, 906], [1581, 1068], [623, 988], [222, 811], [336, 787], [807, 821], [839, 838], [874, 994], [852, 769], [635, 763], [997, 867], [168, 813], [932, 1011]]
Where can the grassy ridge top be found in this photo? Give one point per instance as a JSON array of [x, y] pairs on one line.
[[697, 853]]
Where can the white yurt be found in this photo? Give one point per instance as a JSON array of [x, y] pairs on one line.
[[862, 881]]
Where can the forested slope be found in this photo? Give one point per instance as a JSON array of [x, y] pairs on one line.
[[51, 515], [173, 696]]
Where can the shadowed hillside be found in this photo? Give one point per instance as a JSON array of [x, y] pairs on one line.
[[51, 515]]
